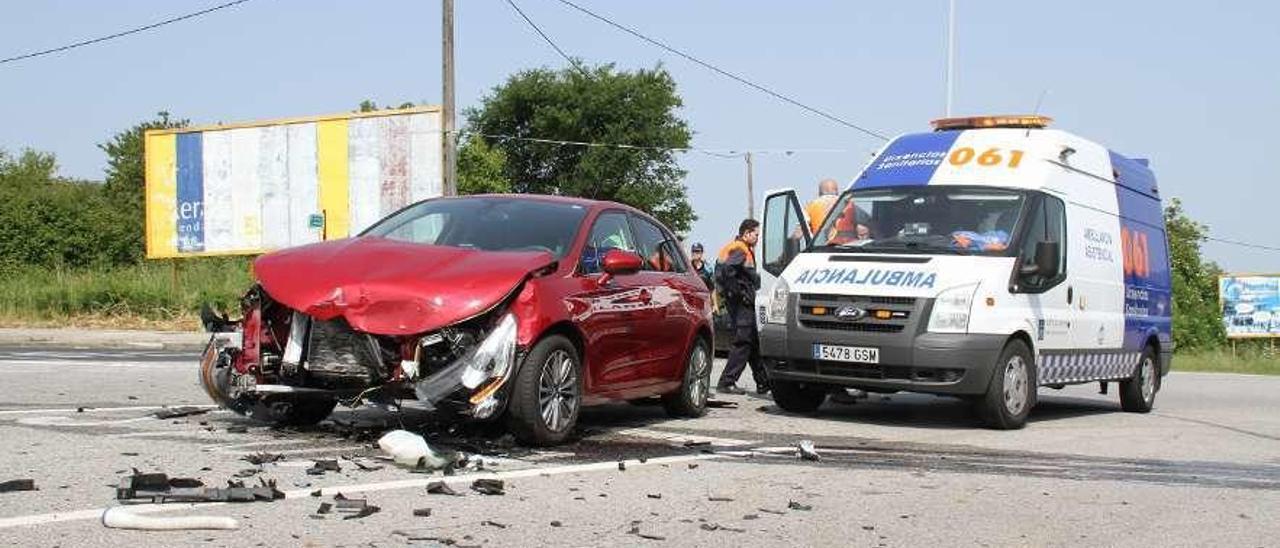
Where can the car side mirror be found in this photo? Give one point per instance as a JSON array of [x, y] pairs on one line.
[[1045, 263], [618, 262]]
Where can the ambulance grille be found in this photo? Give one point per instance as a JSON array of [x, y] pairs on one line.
[[862, 327]]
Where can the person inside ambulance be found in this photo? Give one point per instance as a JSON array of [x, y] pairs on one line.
[[992, 233], [847, 229]]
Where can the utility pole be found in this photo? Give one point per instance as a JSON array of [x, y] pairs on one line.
[[751, 193], [449, 137], [951, 53]]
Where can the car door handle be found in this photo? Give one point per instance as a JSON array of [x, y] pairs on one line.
[[1070, 293]]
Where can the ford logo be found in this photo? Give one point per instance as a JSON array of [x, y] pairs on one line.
[[850, 313]]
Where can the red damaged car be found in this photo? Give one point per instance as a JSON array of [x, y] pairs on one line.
[[523, 308]]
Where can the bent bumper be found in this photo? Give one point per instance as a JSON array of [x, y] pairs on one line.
[[935, 363]]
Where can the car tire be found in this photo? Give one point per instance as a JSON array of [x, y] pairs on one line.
[[799, 397], [1011, 392], [695, 388], [546, 396], [215, 378], [292, 411], [1138, 393]]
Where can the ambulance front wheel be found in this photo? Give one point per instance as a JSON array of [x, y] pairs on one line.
[[1138, 394], [1011, 394], [798, 397]]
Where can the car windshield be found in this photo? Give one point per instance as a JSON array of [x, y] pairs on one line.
[[488, 223], [925, 219]]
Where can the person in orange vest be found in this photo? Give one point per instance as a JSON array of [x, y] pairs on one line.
[[736, 274], [817, 210]]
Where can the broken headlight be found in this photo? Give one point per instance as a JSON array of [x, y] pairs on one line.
[[493, 357]]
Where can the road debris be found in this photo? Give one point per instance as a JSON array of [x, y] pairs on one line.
[[719, 499], [797, 506], [237, 429], [178, 412], [722, 404], [325, 508], [441, 488], [771, 511], [18, 485], [409, 449], [696, 443], [635, 530], [556, 523], [319, 467], [693, 466], [750, 517], [354, 508], [262, 458], [489, 487], [654, 495], [622, 466], [117, 517], [718, 527], [421, 512], [159, 488], [247, 473], [492, 523], [806, 451]]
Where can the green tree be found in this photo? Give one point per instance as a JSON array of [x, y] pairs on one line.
[[126, 181], [596, 105], [1196, 320], [481, 168]]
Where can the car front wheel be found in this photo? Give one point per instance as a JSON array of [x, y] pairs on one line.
[[1011, 394], [547, 394]]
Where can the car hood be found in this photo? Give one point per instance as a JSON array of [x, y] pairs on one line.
[[388, 287]]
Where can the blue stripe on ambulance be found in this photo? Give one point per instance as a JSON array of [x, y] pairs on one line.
[[1147, 283], [909, 160]]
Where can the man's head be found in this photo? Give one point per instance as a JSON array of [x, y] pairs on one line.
[[695, 252], [828, 187], [749, 231]]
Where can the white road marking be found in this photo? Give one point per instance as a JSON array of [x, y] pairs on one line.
[[303, 494], [9, 364], [70, 421], [680, 438], [48, 411]]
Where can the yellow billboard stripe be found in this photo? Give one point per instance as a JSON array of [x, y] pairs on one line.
[[161, 195], [331, 163]]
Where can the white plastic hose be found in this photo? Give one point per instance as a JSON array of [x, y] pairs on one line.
[[117, 517]]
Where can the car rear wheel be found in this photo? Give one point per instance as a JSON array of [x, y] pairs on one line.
[[1011, 394], [547, 394], [799, 397], [691, 399], [1138, 394]]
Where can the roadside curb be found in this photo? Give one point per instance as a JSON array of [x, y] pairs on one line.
[[104, 338]]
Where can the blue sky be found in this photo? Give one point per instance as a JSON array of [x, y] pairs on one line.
[[1193, 86]]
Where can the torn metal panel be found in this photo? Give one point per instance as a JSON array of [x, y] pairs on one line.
[[389, 287]]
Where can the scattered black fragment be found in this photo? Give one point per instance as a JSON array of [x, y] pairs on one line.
[[654, 495], [441, 488], [133, 397], [718, 527], [262, 458], [749, 517], [185, 483], [316, 493], [364, 467], [722, 404], [237, 430], [18, 485], [323, 465], [79, 410], [643, 460], [492, 523], [868, 528], [719, 499], [693, 466], [159, 488], [365, 512], [774, 512], [422, 512], [622, 466], [692, 443], [247, 473], [555, 523], [635, 530], [797, 506], [325, 508], [128, 454], [177, 412], [489, 487]]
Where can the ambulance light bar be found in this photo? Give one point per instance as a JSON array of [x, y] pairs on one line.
[[980, 122]]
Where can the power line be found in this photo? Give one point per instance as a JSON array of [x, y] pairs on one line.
[[718, 152], [728, 74], [1242, 244], [122, 33], [536, 28]]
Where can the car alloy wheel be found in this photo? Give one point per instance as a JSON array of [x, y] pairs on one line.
[[557, 400]]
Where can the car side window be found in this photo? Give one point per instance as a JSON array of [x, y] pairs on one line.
[[1047, 223], [660, 252], [610, 231]]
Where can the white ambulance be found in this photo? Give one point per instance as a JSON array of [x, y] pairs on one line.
[[983, 260]]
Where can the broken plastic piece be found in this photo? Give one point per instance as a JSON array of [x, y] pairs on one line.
[[323, 465], [797, 506], [409, 449], [489, 487], [492, 523], [441, 488], [807, 451], [262, 458], [324, 508], [177, 412], [119, 518], [18, 485], [422, 512]]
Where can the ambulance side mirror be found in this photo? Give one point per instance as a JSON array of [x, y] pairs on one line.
[[1045, 263]]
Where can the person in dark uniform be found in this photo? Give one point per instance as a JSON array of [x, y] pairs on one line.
[[736, 274], [700, 266]]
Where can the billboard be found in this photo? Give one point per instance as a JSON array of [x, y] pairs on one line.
[[1250, 305], [249, 188]]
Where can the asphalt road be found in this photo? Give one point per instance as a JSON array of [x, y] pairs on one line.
[[898, 470]]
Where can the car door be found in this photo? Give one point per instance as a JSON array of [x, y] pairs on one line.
[[664, 321], [1046, 301], [603, 306], [783, 235]]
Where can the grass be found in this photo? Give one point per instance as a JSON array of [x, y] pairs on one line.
[[1252, 358], [144, 296]]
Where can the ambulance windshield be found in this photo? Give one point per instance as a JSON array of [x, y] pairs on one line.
[[923, 219]]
